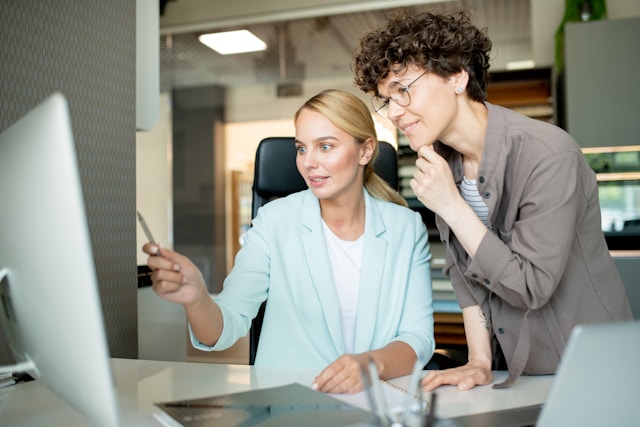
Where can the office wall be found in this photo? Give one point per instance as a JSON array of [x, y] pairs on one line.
[[87, 51], [602, 105]]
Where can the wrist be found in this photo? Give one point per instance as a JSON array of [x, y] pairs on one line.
[[480, 363]]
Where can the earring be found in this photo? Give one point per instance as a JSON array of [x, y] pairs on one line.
[[459, 90]]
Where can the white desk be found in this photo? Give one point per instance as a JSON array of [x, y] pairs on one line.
[[141, 383]]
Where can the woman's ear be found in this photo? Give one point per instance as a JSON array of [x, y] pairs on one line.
[[460, 80], [366, 150]]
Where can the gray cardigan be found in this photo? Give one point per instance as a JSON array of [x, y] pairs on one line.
[[545, 258]]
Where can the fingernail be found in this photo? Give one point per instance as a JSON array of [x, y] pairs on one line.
[[314, 386], [154, 250], [176, 267]]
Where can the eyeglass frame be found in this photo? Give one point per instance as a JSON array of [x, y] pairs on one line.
[[403, 88]]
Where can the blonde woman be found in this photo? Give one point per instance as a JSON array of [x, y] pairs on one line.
[[344, 264]]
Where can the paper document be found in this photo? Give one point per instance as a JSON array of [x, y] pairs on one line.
[[289, 405]]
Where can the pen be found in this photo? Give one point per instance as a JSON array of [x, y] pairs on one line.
[[143, 223], [385, 417], [432, 411], [414, 385]]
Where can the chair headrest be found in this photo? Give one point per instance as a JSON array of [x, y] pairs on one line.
[[276, 173]]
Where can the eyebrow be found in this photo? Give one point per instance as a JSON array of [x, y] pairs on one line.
[[319, 139]]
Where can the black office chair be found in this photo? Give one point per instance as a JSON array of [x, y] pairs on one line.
[[276, 175]]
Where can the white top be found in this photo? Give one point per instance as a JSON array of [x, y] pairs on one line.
[[470, 194], [345, 257]]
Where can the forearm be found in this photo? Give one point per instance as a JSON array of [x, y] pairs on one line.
[[205, 319], [466, 225], [393, 360], [478, 335]]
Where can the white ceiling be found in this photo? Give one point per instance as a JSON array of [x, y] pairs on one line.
[[317, 47]]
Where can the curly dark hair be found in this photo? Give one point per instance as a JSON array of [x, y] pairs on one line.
[[441, 44]]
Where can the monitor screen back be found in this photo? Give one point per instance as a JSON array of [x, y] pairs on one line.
[[50, 308]]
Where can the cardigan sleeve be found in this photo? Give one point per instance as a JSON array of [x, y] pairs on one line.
[[523, 261]]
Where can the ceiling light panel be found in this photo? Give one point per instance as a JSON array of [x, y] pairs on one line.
[[231, 42]]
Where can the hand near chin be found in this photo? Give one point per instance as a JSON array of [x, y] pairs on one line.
[[463, 377], [433, 182]]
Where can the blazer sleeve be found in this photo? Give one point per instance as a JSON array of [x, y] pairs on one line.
[[416, 325], [246, 286]]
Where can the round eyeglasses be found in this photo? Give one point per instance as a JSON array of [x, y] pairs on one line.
[[398, 93]]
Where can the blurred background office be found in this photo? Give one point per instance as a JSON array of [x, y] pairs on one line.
[[185, 159]]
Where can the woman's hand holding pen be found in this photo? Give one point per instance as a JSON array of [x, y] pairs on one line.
[[175, 278]]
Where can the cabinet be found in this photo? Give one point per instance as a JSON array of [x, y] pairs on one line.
[[602, 64], [529, 92]]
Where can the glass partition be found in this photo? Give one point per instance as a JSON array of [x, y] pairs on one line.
[[618, 173]]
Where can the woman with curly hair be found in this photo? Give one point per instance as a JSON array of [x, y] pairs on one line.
[[516, 203]]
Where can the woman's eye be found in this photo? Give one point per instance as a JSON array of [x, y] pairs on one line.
[[301, 149], [325, 147]]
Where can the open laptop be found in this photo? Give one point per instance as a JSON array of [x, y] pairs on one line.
[[596, 384], [597, 381]]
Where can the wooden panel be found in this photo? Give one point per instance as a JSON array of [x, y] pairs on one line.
[[449, 329], [516, 94]]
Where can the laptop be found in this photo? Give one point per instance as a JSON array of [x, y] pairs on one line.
[[596, 384], [597, 381]]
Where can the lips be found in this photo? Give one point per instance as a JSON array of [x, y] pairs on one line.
[[406, 129], [317, 180]]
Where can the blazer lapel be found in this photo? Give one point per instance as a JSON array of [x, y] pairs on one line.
[[318, 261], [375, 249]]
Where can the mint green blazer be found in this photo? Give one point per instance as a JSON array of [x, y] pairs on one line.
[[284, 258]]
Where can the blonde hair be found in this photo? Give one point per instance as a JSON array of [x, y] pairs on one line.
[[349, 113]]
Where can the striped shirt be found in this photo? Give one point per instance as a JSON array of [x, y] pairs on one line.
[[470, 194]]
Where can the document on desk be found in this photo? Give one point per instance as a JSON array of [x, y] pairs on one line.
[[289, 405]]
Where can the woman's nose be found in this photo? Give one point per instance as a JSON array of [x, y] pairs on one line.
[[394, 110], [309, 159]]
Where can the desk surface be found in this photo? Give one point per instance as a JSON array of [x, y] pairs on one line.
[[141, 383]]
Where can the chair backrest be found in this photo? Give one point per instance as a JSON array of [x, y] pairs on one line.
[[276, 175]]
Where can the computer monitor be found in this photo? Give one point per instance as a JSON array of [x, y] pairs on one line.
[[50, 306]]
